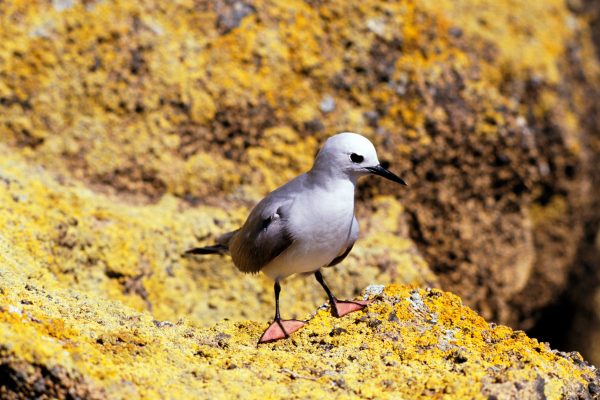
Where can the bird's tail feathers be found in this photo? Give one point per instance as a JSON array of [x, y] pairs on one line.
[[221, 247], [215, 249]]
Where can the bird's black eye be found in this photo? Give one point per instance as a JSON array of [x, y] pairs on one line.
[[356, 158]]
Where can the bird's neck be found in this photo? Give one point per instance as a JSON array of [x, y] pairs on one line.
[[331, 180]]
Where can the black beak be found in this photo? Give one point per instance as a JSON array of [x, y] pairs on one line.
[[379, 170]]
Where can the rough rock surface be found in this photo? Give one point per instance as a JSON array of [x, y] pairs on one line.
[[583, 299], [131, 131], [69, 328], [410, 342], [482, 106], [133, 253]]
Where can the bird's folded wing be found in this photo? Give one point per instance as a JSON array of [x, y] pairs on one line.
[[263, 237]]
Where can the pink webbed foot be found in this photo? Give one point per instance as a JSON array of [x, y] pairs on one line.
[[280, 329], [341, 307]]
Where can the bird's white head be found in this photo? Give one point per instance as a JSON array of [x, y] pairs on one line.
[[350, 155]]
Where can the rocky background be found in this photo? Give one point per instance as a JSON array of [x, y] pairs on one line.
[[130, 132]]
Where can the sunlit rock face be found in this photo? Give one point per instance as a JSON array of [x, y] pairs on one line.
[[131, 131]]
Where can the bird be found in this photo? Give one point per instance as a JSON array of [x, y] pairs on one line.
[[305, 225]]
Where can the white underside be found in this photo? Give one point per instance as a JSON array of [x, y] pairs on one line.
[[321, 230], [301, 257]]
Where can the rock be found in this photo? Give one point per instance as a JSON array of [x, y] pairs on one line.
[[327, 105], [102, 349], [231, 13], [69, 324], [157, 125], [132, 254], [583, 298]]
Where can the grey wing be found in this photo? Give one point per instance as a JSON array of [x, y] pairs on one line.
[[351, 239], [264, 235]]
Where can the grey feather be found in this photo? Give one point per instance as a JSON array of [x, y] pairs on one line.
[[351, 239], [225, 238], [264, 235]]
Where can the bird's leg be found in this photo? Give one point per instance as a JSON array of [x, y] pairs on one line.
[[279, 328], [339, 308]]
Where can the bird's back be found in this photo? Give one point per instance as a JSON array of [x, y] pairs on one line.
[[266, 234]]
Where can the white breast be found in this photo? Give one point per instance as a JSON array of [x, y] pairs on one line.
[[320, 222]]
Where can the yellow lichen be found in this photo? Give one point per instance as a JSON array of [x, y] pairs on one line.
[[409, 342], [118, 154], [548, 212]]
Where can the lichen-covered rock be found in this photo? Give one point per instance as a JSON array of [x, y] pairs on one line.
[[131, 131], [133, 254], [481, 104], [583, 298], [413, 343], [70, 287]]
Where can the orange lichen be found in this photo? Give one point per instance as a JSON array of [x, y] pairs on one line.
[[132, 131]]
